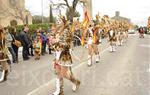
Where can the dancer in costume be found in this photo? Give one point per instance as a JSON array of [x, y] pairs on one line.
[[37, 46], [112, 40], [93, 42], [120, 38], [63, 61], [3, 56], [141, 32]]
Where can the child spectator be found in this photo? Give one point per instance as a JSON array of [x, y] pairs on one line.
[[37, 47]]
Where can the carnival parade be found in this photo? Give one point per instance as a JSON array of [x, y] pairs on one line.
[[92, 55]]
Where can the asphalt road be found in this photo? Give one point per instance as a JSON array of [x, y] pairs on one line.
[[124, 72]]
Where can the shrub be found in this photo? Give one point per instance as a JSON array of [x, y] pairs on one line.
[[34, 27]]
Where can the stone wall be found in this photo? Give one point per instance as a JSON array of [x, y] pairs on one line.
[[14, 10]]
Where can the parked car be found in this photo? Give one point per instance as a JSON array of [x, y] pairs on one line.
[[131, 31]]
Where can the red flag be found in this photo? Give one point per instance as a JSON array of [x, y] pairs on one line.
[[86, 19], [85, 25]]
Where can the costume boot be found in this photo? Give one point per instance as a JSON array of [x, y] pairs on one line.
[[59, 87], [121, 42], [2, 77], [76, 84], [97, 58], [111, 48], [114, 48], [89, 60], [6, 74]]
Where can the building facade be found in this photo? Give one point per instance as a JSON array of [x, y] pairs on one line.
[[13, 12], [148, 24], [120, 18], [88, 7]]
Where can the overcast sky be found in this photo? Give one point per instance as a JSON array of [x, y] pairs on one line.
[[137, 10]]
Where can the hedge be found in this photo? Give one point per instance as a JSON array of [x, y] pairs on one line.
[[34, 27]]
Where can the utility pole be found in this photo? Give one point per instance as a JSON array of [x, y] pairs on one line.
[[51, 19], [42, 11]]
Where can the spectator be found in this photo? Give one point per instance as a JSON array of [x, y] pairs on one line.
[[25, 42], [16, 42], [9, 40], [30, 50], [44, 41]]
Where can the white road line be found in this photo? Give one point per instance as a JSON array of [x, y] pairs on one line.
[[145, 45], [48, 83], [37, 89], [104, 51], [149, 68]]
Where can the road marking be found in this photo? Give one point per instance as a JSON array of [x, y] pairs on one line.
[[149, 68], [48, 83], [145, 45]]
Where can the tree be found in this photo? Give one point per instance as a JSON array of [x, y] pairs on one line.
[[76, 14], [37, 19], [71, 8], [136, 27]]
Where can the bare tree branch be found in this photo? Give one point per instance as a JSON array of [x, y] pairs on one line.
[[60, 4], [67, 3], [82, 2], [75, 2], [70, 9], [51, 1]]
